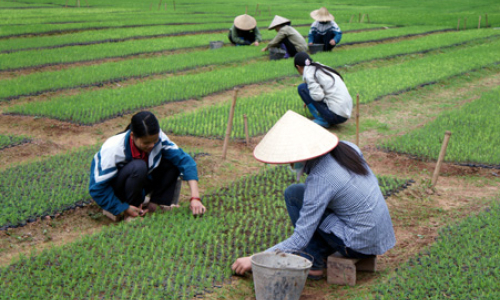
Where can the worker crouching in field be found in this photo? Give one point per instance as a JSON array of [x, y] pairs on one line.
[[324, 30], [244, 31], [324, 92], [139, 161], [340, 208], [287, 38]]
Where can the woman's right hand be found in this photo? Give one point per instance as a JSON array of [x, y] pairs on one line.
[[134, 211]]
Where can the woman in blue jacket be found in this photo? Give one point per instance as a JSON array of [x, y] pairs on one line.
[[141, 160]]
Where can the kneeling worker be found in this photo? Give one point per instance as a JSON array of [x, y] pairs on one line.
[[288, 37], [340, 208], [324, 30], [244, 31]]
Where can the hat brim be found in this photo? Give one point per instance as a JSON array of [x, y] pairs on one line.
[[321, 18]]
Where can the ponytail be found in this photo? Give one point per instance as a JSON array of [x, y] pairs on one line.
[[350, 159]]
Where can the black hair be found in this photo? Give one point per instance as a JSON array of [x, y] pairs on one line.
[[303, 59], [143, 124], [350, 159]]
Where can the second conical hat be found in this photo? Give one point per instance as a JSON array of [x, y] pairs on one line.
[[294, 138], [278, 21], [245, 22], [322, 15]]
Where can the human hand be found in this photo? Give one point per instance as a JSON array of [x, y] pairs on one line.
[[134, 211], [256, 43], [242, 265], [264, 49], [332, 42], [197, 207], [310, 43]]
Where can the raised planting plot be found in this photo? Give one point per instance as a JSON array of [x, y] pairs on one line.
[[95, 106], [70, 54], [462, 264], [163, 256], [7, 141], [122, 34], [46, 188], [36, 83], [475, 138]]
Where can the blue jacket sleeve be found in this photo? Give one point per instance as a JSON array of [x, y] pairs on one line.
[[103, 194], [182, 160], [338, 36]]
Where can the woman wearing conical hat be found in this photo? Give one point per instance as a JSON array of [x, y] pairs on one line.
[[339, 208], [287, 37], [324, 30], [244, 31]]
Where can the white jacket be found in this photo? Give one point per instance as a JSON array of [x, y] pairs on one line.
[[323, 88]]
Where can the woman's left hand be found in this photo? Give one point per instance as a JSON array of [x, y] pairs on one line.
[[242, 265], [332, 42], [197, 207]]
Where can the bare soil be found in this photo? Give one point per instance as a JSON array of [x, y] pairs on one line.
[[417, 212]]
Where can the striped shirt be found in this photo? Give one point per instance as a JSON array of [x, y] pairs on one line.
[[355, 207]]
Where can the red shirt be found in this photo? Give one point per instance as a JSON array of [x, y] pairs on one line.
[[136, 153]]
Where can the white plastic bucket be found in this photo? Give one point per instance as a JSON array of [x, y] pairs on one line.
[[279, 276]]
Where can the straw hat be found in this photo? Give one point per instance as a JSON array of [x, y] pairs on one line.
[[278, 21], [245, 22], [294, 138], [322, 15]]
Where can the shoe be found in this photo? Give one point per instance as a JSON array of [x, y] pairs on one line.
[[317, 117], [315, 277]]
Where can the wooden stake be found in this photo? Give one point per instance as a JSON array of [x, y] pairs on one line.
[[352, 17], [367, 18], [362, 18], [257, 9], [357, 120], [479, 23], [246, 129], [229, 124], [359, 18], [77, 3], [442, 153], [246, 10], [159, 5], [458, 25]]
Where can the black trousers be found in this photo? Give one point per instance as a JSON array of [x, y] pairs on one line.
[[133, 182], [325, 40], [290, 48]]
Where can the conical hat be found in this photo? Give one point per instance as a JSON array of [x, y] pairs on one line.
[[245, 22], [294, 138], [278, 21], [322, 15]]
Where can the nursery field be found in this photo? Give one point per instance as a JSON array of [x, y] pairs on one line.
[[72, 73]]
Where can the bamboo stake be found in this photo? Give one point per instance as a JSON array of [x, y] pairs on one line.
[[257, 9], [479, 23], [465, 23], [458, 25], [246, 10], [352, 17], [357, 120], [66, 5], [442, 153], [77, 3], [229, 124], [362, 18], [367, 18], [359, 18], [246, 129], [159, 4]]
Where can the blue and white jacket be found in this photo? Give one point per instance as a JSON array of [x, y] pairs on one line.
[[116, 151], [318, 28]]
